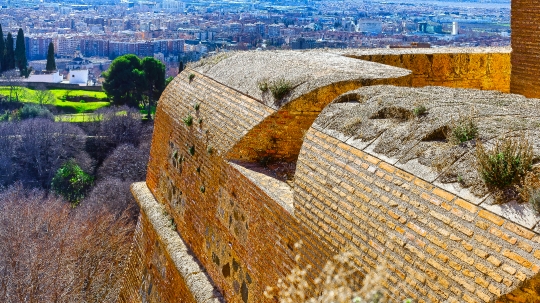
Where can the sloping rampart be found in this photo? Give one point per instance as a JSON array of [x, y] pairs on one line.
[[244, 176]]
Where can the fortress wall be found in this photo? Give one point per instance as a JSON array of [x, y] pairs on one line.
[[525, 48], [238, 232], [482, 70], [161, 267], [440, 247]]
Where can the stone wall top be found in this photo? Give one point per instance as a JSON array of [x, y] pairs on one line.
[[380, 120], [426, 51], [305, 70]]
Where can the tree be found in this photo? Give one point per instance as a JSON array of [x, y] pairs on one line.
[[71, 182], [168, 80], [12, 79], [43, 96], [10, 53], [51, 64], [180, 66], [43, 146], [126, 163], [20, 54], [154, 82], [123, 81], [52, 252], [2, 50]]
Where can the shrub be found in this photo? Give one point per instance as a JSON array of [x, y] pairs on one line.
[[71, 182], [419, 110], [191, 77], [506, 163], [188, 120], [29, 111], [464, 131], [280, 88]]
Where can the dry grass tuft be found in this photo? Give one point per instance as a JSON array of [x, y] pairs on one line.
[[506, 163], [529, 191], [337, 283]]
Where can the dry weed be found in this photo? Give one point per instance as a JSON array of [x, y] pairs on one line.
[[529, 190], [337, 283]]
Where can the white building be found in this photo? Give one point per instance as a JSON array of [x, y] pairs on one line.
[[46, 78], [78, 77], [455, 29], [369, 26]]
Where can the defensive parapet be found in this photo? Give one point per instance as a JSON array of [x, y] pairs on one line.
[[238, 174]]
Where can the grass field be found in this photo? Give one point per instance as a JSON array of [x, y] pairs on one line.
[[82, 117], [27, 95]]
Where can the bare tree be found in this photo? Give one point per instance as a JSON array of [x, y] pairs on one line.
[[43, 96], [8, 140], [118, 125], [126, 163], [54, 253], [13, 80]]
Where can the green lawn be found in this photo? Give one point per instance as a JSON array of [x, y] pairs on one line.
[[27, 95], [82, 117], [59, 93]]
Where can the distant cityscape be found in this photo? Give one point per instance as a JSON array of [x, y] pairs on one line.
[[171, 30]]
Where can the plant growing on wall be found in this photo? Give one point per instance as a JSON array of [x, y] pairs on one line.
[[465, 132], [280, 88], [263, 85], [419, 110], [188, 120], [192, 150], [505, 163], [196, 106], [191, 77], [336, 283]]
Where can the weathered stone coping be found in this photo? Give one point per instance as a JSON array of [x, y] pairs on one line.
[[278, 190], [306, 70], [195, 276], [413, 144], [425, 51]]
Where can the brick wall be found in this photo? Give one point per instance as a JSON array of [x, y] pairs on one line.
[[440, 247], [219, 208], [151, 276], [482, 70], [241, 223], [525, 48]]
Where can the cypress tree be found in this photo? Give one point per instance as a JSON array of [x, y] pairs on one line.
[[51, 64], [2, 50], [180, 66], [9, 54], [20, 54]]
